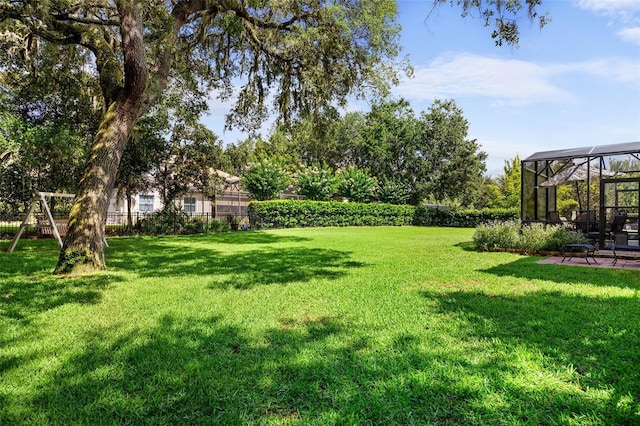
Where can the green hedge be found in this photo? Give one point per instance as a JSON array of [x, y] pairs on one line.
[[305, 213], [425, 216]]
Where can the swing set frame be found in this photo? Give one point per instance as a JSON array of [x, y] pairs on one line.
[[40, 197], [48, 222]]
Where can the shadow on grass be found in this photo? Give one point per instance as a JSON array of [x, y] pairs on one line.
[[30, 257], [527, 267], [231, 238], [596, 341], [467, 246], [27, 286], [324, 370], [243, 269], [251, 237], [23, 297]]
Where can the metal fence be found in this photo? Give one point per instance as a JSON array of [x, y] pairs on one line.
[[141, 223]]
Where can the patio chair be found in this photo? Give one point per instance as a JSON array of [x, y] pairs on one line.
[[553, 218], [586, 222], [616, 222]]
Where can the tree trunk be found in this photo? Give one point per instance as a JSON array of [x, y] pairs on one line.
[[83, 248]]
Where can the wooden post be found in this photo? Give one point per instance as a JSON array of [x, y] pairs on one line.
[[52, 221], [23, 225]]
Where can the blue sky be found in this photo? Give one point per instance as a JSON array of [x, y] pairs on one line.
[[574, 83]]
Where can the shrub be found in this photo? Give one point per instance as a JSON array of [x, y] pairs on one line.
[[265, 180], [316, 183], [534, 237], [357, 185], [216, 225], [497, 235], [301, 213], [392, 192], [170, 220], [561, 236]]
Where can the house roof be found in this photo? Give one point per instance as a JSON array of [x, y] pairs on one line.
[[230, 179], [586, 152]]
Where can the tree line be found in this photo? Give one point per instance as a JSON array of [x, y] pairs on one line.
[[388, 154]]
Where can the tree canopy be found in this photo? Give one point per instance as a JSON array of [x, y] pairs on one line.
[[418, 156]]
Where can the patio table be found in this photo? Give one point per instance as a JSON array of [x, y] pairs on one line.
[[587, 249]]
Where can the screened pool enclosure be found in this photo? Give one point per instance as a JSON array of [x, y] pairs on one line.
[[584, 188]]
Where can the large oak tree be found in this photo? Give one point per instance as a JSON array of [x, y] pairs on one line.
[[310, 53]]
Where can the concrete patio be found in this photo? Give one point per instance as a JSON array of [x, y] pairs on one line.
[[626, 260]]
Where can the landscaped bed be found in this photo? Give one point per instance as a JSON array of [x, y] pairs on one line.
[[371, 325]]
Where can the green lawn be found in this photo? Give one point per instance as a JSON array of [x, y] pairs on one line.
[[316, 326]]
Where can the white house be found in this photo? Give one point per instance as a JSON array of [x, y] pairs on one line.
[[230, 200]]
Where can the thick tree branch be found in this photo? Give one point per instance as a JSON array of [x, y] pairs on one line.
[[89, 21], [241, 11], [135, 64], [159, 74]]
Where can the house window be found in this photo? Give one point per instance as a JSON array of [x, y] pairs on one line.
[[145, 203], [189, 204]]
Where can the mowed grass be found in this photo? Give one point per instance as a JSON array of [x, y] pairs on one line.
[[337, 326]]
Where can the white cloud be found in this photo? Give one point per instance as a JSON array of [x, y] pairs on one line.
[[624, 70], [507, 81], [625, 9], [632, 35], [623, 13]]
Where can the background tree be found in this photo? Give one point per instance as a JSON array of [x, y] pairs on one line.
[[428, 156], [356, 185], [630, 166], [40, 158], [347, 136], [388, 143], [53, 114], [448, 164], [317, 182], [192, 152], [237, 155], [315, 138], [567, 200], [502, 191], [146, 149], [16, 189], [265, 179], [488, 194], [392, 191], [509, 184]]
